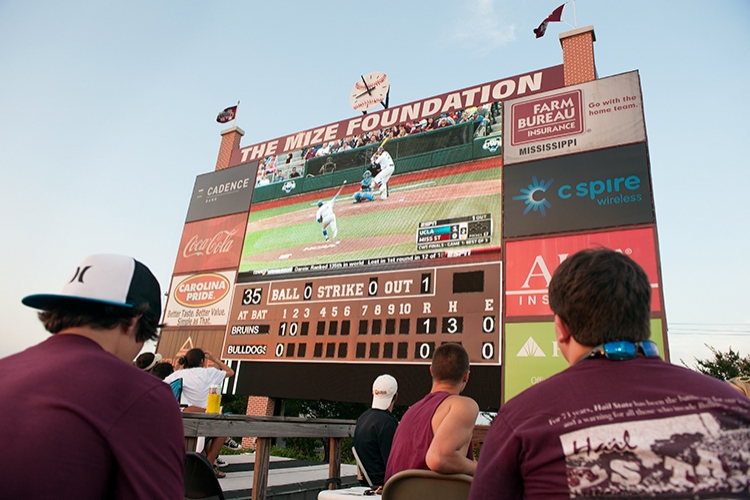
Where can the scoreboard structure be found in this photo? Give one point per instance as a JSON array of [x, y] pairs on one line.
[[494, 186]]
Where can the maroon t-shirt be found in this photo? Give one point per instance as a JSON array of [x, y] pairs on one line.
[[637, 429], [78, 423], [414, 435]]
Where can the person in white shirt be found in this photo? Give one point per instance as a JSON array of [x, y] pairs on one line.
[[196, 381]]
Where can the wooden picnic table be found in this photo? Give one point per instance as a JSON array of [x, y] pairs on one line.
[[266, 428]]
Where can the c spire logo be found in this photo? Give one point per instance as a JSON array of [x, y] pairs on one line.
[[530, 196]]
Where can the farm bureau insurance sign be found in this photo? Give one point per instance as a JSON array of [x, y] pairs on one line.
[[507, 88], [594, 115]]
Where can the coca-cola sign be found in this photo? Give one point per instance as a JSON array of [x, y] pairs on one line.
[[211, 244]]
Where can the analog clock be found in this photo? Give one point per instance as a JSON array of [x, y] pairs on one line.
[[369, 91]]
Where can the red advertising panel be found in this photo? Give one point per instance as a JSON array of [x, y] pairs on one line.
[[530, 265], [211, 244]]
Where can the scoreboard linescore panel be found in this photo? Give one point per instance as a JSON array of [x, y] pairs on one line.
[[394, 316]]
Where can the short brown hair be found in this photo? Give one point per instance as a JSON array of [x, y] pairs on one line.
[[76, 313], [602, 296], [450, 362]]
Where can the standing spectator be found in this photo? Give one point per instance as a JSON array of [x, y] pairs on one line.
[[375, 428], [619, 421], [107, 429]]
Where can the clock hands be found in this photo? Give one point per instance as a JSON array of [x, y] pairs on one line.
[[368, 91]]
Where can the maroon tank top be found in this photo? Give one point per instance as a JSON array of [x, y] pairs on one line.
[[414, 435]]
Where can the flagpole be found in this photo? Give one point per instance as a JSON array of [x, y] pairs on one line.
[[236, 112], [575, 15]]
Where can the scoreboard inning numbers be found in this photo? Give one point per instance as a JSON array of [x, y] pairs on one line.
[[393, 316]]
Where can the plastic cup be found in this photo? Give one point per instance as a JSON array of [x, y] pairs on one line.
[[214, 399]]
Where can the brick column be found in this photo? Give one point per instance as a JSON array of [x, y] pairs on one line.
[[578, 55], [261, 406], [230, 140]]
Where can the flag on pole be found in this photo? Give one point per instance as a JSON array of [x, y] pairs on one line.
[[555, 17], [227, 115]]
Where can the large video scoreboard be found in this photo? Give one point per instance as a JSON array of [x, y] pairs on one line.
[[318, 309]]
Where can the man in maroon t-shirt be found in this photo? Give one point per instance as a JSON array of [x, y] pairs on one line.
[[619, 421], [435, 433], [106, 429]]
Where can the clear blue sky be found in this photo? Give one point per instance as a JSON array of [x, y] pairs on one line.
[[107, 114]]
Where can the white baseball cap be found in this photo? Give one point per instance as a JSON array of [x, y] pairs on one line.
[[383, 390], [115, 280]]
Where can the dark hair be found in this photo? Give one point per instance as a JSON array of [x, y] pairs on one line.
[[76, 313], [162, 369], [192, 359], [144, 360], [450, 362], [602, 296]]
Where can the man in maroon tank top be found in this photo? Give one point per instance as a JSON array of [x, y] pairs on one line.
[[435, 433]]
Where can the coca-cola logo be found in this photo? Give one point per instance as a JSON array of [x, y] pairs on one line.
[[220, 243], [201, 290]]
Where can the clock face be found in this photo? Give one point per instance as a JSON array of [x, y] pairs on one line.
[[369, 91]]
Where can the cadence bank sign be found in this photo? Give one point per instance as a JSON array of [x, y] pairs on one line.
[[530, 265], [211, 244], [220, 193], [594, 115], [200, 299], [498, 90]]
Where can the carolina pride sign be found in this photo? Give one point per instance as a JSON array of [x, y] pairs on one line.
[[530, 264], [200, 299]]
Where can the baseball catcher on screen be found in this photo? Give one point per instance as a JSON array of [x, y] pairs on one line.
[[382, 160], [365, 189]]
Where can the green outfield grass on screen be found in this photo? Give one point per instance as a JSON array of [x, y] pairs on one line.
[[289, 235]]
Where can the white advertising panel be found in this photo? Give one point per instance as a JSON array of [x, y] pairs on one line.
[[200, 299], [594, 115]]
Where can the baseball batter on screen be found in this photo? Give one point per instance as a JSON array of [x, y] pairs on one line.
[[326, 216], [382, 160]]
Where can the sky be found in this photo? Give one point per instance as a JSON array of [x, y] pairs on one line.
[[107, 114]]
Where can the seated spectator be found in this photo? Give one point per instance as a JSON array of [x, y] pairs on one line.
[[196, 381], [146, 361], [435, 433], [373, 434], [294, 173], [79, 421], [162, 370], [620, 421], [742, 384]]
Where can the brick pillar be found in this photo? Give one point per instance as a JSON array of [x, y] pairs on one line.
[[578, 55], [230, 140], [261, 406]]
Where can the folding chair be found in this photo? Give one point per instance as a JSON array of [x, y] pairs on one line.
[[200, 481], [361, 468], [411, 484]]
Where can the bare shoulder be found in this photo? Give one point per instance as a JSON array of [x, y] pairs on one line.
[[458, 407], [463, 404]]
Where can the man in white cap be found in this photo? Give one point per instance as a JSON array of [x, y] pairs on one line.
[[375, 429], [107, 429]]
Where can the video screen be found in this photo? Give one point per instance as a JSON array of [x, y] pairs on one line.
[[394, 201]]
